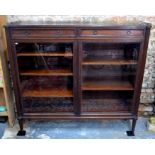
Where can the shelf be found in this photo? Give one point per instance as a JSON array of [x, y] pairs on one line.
[[4, 113], [108, 62], [46, 72], [107, 85], [45, 54], [47, 92]]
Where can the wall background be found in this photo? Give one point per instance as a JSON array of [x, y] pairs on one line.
[[148, 87]]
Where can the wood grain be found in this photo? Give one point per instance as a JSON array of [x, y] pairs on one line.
[[109, 62], [107, 85], [45, 54], [48, 92], [45, 72]]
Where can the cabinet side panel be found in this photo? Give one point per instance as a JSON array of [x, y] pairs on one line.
[[14, 71], [140, 71]]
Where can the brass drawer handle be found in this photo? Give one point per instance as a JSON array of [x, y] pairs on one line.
[[129, 32], [59, 32], [95, 32], [27, 33]]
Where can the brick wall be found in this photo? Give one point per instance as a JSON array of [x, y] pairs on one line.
[[148, 87]]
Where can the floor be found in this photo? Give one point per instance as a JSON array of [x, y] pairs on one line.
[[114, 129], [3, 126]]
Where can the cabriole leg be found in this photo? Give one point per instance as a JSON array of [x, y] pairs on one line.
[[132, 131], [21, 132]]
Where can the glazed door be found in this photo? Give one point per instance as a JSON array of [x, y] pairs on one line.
[[108, 74], [46, 77]]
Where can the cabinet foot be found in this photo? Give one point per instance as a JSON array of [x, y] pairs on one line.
[[130, 133], [21, 133]]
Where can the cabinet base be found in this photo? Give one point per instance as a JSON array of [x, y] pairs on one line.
[[21, 133], [130, 133]]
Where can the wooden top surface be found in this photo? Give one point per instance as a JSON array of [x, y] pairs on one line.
[[79, 24]]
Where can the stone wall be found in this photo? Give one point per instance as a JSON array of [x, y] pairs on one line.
[[148, 87]]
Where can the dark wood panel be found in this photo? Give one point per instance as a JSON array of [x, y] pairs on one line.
[[42, 33], [85, 115], [111, 33]]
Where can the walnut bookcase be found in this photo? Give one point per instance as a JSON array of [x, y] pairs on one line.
[[84, 71]]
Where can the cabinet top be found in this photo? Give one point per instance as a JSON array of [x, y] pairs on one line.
[[115, 25]]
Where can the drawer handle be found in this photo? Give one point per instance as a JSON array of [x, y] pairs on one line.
[[27, 33], [128, 32], [94, 32], [58, 32]]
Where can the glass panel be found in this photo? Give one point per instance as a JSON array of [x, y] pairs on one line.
[[108, 77], [42, 64], [110, 52], [46, 76], [42, 104], [53, 48], [108, 70], [106, 101]]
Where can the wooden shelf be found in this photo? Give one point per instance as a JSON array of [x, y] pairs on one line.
[[48, 92], [108, 62], [45, 54], [107, 85], [46, 72], [4, 113]]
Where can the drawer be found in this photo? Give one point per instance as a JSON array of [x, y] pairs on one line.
[[42, 33], [112, 33]]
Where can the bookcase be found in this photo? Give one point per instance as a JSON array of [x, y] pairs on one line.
[[77, 71], [6, 94]]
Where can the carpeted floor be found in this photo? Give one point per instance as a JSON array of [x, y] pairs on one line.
[[114, 129]]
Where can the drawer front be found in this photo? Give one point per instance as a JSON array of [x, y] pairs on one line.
[[42, 33], [112, 33]]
